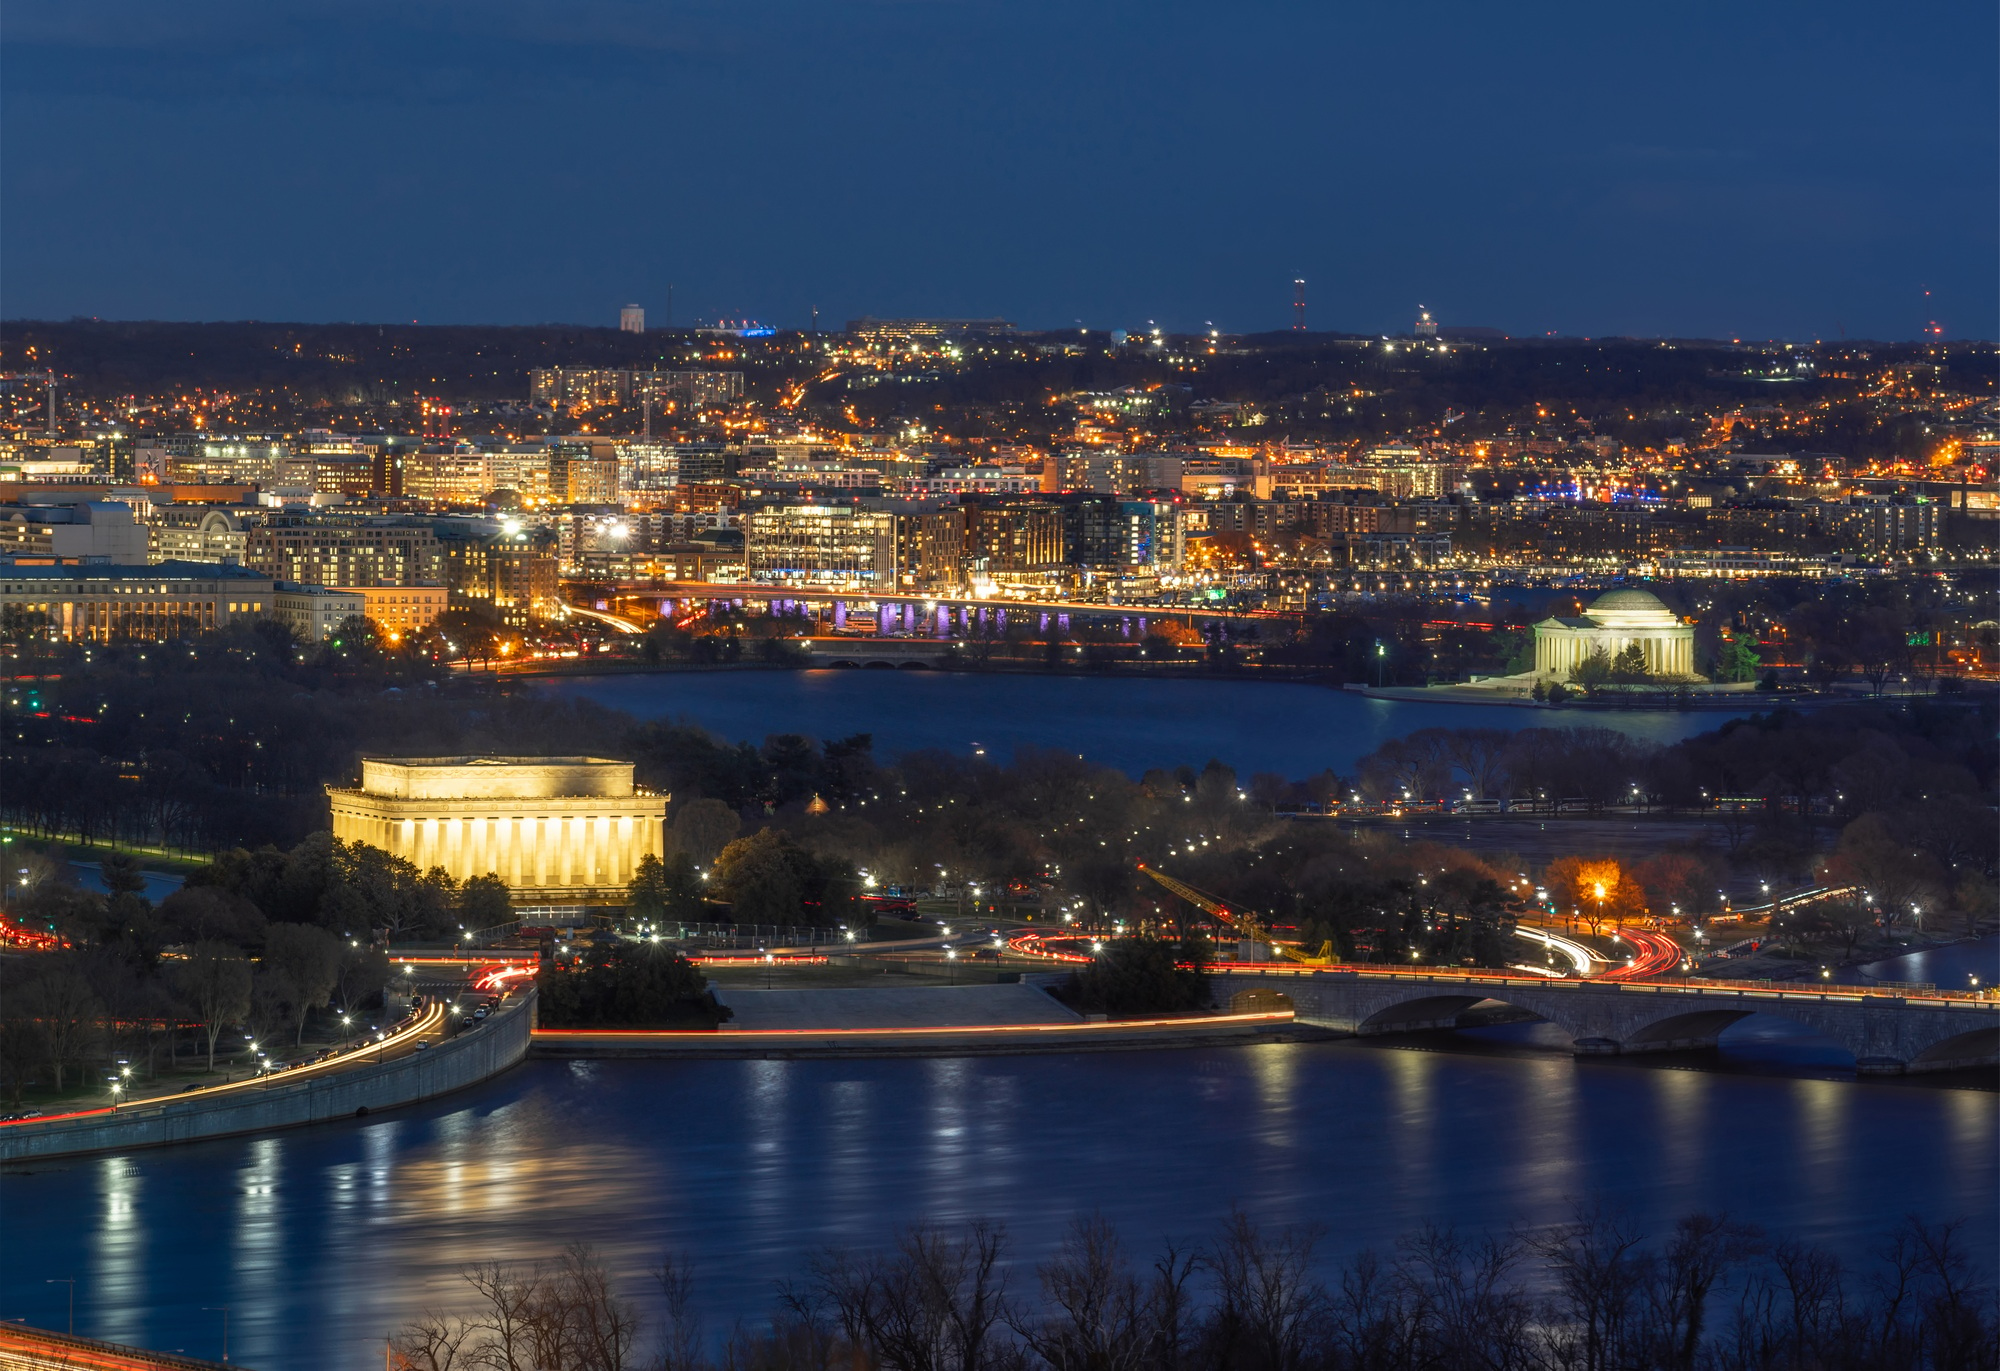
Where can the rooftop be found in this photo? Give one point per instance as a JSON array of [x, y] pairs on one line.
[[47, 569]]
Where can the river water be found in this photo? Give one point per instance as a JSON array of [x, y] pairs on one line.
[[321, 1241], [1132, 723]]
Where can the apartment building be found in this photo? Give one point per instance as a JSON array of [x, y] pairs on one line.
[[344, 550]]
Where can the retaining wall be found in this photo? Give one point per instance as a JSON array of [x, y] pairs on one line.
[[446, 1066]]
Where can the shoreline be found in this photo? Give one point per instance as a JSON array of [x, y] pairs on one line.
[[1453, 693]]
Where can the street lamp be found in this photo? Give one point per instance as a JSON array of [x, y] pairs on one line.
[[222, 1309], [69, 1281]]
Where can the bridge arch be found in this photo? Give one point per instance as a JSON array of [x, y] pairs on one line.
[[1419, 1012], [1980, 1047], [1696, 1028]]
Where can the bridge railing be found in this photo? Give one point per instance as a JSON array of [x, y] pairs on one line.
[[1819, 991], [22, 1345]]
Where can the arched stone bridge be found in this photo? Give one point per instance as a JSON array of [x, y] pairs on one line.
[[1887, 1035]]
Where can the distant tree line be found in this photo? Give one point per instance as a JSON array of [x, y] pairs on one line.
[[221, 745], [264, 941]]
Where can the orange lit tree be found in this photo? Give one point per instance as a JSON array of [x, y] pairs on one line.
[[1595, 889]]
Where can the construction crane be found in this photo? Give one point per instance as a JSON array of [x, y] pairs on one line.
[[1246, 925]]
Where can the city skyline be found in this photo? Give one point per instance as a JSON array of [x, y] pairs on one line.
[[1785, 174]]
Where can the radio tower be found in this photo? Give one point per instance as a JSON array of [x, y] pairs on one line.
[[1299, 306]]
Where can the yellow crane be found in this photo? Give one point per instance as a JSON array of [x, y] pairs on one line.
[[1246, 924]]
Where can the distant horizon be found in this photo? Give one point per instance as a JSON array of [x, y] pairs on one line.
[[1019, 328]]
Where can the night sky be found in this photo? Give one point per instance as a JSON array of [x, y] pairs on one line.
[[1738, 169]]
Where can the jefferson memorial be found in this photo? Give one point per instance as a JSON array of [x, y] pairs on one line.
[[1614, 622]]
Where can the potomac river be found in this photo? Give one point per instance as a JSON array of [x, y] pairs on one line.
[[320, 1241], [1132, 723]]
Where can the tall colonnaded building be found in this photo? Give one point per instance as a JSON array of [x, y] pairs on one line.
[[1615, 621], [557, 830]]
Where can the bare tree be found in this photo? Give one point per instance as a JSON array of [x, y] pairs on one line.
[[702, 828], [1814, 1296], [1270, 1308], [304, 963], [600, 1328], [71, 1017], [1095, 1316], [1703, 1251], [1596, 1268], [680, 1324], [930, 1305], [215, 981], [433, 1342], [511, 1305]]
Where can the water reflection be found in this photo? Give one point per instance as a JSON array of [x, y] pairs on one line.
[[117, 1269], [1131, 723], [333, 1236]]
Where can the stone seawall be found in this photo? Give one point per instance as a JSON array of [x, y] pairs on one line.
[[451, 1065]]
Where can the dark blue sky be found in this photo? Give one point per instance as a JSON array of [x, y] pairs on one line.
[[1749, 168]]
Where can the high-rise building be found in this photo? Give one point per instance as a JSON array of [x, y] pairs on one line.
[[930, 547], [632, 319], [823, 544], [687, 390], [99, 529], [1124, 535], [1014, 537], [335, 550], [579, 388], [583, 473], [226, 461], [195, 533], [514, 574]]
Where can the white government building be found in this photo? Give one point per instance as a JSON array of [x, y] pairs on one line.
[[555, 829], [1615, 621]]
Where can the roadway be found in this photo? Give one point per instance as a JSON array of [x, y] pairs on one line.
[[33, 1349], [412, 1034]]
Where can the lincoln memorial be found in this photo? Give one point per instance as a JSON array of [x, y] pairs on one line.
[[555, 829]]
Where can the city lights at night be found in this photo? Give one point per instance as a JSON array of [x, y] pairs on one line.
[[977, 688]]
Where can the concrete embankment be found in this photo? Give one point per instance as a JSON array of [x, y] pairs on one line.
[[362, 1089], [914, 1021]]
